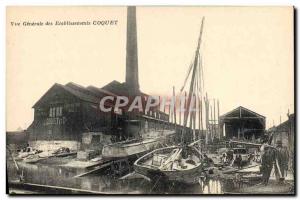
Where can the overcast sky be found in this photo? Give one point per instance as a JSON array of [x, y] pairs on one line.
[[247, 54]]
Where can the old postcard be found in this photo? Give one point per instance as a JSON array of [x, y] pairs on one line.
[[150, 100]]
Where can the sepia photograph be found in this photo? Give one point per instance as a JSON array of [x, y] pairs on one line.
[[150, 100]]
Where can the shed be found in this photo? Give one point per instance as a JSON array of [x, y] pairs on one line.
[[242, 123]]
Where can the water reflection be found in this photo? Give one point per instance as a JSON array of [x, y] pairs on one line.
[[62, 176], [211, 186]]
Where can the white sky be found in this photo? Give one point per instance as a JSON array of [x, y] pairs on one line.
[[247, 52]]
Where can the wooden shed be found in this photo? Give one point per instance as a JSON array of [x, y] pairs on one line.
[[242, 123]]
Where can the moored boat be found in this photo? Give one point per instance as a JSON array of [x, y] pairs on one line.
[[135, 146], [177, 164], [33, 159]]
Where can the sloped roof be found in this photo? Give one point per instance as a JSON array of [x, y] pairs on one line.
[[116, 87], [81, 92], [89, 94], [242, 112], [99, 91], [284, 126]]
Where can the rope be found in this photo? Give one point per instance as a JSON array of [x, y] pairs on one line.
[[187, 76]]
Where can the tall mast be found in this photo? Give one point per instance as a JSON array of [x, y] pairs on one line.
[[195, 64]]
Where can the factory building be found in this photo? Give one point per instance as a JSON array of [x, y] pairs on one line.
[[67, 112]]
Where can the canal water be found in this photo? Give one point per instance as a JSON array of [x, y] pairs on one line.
[[104, 182]]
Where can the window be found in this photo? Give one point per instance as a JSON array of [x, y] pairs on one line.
[[50, 112], [58, 111], [72, 107], [55, 111]]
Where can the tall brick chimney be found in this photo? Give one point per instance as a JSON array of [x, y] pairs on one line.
[[132, 71]]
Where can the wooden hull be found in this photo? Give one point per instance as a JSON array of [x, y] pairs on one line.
[[33, 159], [133, 147], [188, 176], [121, 150]]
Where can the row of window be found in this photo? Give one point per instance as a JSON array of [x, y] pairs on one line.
[[57, 111], [72, 107]]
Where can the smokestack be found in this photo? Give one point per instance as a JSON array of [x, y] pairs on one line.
[[132, 78]]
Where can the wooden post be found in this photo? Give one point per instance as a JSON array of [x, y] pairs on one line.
[[170, 113], [212, 128], [183, 127], [199, 117], [207, 119], [214, 122], [224, 130], [219, 128], [158, 103], [194, 118], [191, 112], [164, 105], [200, 114], [194, 125], [185, 107], [174, 105], [185, 100], [279, 130], [240, 124], [180, 102]]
